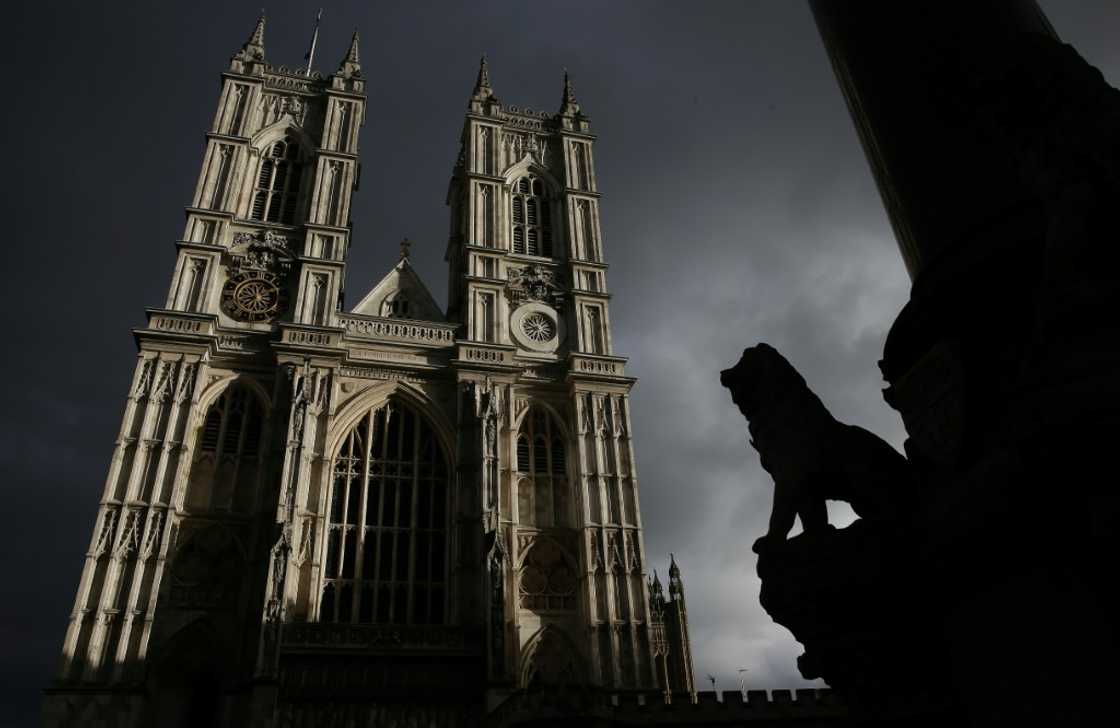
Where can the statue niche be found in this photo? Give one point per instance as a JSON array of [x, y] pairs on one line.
[[810, 455]]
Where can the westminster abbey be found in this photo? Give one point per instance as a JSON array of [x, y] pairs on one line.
[[387, 515]]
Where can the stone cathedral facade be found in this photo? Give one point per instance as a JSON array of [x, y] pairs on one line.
[[394, 515]]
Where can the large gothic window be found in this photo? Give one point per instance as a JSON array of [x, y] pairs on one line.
[[277, 189], [532, 217], [542, 475], [386, 558], [224, 472]]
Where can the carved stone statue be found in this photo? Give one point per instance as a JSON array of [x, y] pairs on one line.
[[811, 456]]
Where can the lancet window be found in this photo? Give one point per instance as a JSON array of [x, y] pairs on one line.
[[386, 555], [542, 475], [532, 217], [277, 188]]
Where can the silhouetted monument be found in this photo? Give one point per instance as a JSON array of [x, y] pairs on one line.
[[977, 587]]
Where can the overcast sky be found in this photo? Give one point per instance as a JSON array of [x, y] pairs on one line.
[[737, 208]]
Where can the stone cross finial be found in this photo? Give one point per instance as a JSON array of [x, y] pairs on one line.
[[406, 244]]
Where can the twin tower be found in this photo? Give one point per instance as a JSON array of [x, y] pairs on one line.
[[392, 515]]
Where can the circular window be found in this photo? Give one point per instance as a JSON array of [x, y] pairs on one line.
[[537, 327]]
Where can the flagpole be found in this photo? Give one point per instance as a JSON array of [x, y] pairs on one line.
[[314, 40]]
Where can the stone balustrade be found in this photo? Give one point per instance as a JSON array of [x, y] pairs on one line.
[[398, 330]]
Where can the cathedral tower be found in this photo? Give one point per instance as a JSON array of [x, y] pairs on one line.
[[167, 621], [387, 514], [560, 513]]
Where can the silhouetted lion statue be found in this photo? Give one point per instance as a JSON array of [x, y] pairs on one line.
[[810, 455]]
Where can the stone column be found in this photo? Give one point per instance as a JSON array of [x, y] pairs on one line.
[[912, 77]]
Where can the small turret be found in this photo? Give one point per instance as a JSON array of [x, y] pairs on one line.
[[351, 64]]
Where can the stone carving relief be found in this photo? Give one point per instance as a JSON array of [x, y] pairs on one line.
[[154, 534], [548, 581], [164, 377], [534, 283], [488, 409], [144, 381], [108, 529], [128, 540], [517, 146], [185, 388]]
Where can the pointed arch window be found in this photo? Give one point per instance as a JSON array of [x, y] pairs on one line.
[[386, 556], [227, 452], [276, 193], [532, 217], [542, 476]]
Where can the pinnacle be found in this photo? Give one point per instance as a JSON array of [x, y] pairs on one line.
[[253, 50], [568, 104], [352, 53], [351, 63], [482, 88], [257, 38]]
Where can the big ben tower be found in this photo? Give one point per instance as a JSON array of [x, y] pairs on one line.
[[383, 516]]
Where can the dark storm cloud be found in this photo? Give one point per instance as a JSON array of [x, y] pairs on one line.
[[737, 208]]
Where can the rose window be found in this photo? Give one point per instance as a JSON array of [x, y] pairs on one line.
[[538, 327]]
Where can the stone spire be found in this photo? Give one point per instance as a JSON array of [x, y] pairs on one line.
[[676, 586], [351, 64], [568, 104], [253, 50], [482, 88]]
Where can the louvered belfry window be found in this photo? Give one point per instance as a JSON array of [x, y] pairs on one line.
[[277, 189], [232, 428], [386, 557], [542, 473], [532, 218]]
